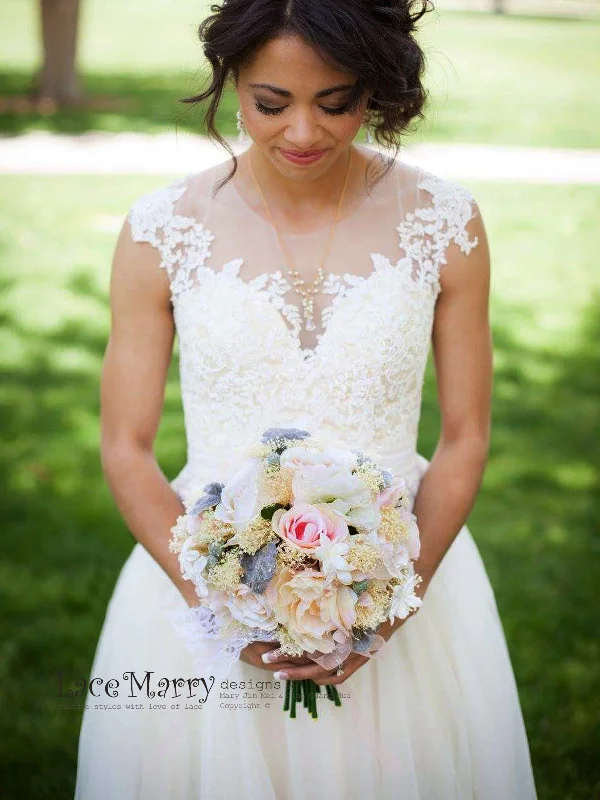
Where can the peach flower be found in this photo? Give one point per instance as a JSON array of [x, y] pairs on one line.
[[317, 612]]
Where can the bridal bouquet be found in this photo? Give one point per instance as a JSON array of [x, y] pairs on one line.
[[308, 543]]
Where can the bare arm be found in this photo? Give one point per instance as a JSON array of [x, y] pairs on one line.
[[463, 361], [133, 381]]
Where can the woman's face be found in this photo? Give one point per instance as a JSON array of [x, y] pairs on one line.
[[293, 102]]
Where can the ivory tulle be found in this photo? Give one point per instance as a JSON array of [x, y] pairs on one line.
[[436, 717]]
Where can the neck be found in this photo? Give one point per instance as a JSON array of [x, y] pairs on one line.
[[293, 196]]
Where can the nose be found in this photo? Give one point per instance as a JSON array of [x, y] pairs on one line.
[[303, 130]]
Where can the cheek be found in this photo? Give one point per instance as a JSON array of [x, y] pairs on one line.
[[261, 126], [346, 126]]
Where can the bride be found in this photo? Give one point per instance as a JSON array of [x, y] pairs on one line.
[[305, 280]]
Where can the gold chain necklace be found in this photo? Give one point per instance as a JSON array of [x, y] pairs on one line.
[[307, 293]]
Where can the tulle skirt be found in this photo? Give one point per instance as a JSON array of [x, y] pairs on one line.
[[435, 717]]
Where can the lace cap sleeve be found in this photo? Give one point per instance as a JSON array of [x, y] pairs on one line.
[[183, 242], [443, 211]]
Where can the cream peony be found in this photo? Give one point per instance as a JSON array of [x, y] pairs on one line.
[[317, 612]]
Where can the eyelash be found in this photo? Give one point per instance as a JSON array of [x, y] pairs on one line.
[[332, 111]]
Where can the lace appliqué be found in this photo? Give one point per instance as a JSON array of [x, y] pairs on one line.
[[183, 242], [426, 233], [212, 655], [243, 369], [276, 287]]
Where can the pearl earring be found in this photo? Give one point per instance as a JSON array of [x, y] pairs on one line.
[[242, 132]]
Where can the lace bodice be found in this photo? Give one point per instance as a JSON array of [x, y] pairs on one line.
[[245, 362]]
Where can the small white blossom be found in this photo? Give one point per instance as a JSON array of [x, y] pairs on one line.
[[404, 599], [332, 557]]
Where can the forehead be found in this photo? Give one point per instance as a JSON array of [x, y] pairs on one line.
[[291, 63]]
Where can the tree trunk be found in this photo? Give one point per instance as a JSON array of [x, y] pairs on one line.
[[58, 79], [499, 6]]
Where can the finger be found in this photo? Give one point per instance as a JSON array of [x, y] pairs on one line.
[[285, 666], [277, 657], [295, 673], [349, 666]]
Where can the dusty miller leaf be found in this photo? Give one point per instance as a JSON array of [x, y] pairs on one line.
[[214, 554], [259, 568]]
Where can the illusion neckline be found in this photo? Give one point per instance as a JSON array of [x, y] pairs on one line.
[[368, 200]]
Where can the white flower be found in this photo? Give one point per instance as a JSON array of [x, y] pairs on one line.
[[404, 599], [332, 557], [339, 488], [301, 458], [240, 496], [394, 555], [192, 565], [251, 609], [365, 515], [241, 605]]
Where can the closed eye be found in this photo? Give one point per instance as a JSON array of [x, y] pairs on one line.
[[279, 109]]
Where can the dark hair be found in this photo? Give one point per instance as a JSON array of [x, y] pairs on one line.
[[371, 39]]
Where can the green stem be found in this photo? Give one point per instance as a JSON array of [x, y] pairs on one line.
[[293, 701], [336, 696]]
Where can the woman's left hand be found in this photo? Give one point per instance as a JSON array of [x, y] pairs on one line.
[[326, 676], [316, 672]]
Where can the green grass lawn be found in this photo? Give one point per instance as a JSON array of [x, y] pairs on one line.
[[513, 80], [63, 541]]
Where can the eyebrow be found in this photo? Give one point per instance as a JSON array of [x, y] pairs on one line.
[[285, 93]]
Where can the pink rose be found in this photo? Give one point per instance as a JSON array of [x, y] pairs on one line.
[[303, 525]]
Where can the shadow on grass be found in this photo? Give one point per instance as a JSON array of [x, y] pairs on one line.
[[536, 523], [122, 102], [65, 543]]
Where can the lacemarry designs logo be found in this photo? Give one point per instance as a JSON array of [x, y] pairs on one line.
[[139, 684]]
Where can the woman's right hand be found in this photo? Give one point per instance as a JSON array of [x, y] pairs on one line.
[[253, 652]]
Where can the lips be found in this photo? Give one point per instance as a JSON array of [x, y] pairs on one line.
[[304, 153], [307, 157]]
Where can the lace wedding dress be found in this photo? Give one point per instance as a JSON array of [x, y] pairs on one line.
[[437, 716]]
